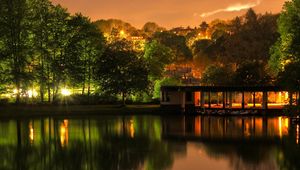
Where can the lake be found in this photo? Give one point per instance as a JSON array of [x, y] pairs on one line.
[[149, 142]]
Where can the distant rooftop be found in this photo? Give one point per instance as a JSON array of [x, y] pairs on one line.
[[223, 88]]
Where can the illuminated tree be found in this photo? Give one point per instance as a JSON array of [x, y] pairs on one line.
[[287, 50], [157, 56], [85, 45], [217, 75], [176, 43], [151, 27], [14, 41], [120, 70], [40, 22]]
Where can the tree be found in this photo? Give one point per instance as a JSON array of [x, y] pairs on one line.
[[203, 28], [163, 82], [85, 46], [14, 43], [157, 57], [39, 27], [121, 71], [58, 42], [203, 53], [251, 41], [290, 77], [151, 27], [216, 75], [251, 73], [176, 42], [286, 50]]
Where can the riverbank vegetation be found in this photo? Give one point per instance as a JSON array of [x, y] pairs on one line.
[[48, 55]]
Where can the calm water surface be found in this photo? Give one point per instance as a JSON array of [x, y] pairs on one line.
[[150, 142]]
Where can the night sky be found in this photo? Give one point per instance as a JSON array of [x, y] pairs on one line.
[[168, 13]]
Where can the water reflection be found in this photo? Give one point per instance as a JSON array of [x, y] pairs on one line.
[[149, 142]]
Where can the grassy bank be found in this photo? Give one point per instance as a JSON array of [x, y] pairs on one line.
[[71, 110]]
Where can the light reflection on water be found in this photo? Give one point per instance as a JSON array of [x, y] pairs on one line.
[[149, 142]]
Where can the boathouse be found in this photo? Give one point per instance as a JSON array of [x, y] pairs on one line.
[[227, 97]]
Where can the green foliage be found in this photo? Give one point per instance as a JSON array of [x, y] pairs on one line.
[[287, 48], [151, 28], [176, 42], [107, 26], [85, 46], [215, 75], [14, 40], [290, 76], [163, 82], [203, 54], [157, 57], [252, 41], [121, 71], [251, 73]]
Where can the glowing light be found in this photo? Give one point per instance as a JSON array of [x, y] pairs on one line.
[[283, 124], [286, 95], [65, 92], [31, 133], [131, 129], [297, 134], [32, 93], [64, 133], [280, 126], [15, 91], [122, 32]]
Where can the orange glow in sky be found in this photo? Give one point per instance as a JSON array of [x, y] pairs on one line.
[[168, 13]]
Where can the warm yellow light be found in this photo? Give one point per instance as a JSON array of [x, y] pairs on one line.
[[297, 134], [31, 133], [64, 133], [122, 32], [32, 93], [280, 126], [131, 129], [65, 92], [15, 91]]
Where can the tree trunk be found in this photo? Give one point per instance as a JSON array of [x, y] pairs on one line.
[[48, 84], [124, 99], [89, 84], [18, 92]]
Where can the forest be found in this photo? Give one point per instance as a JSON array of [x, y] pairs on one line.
[[48, 55]]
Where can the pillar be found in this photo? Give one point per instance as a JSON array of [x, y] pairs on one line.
[[298, 98], [265, 100], [183, 101], [291, 98], [243, 100], [209, 101], [230, 100], [254, 99], [202, 98], [224, 100]]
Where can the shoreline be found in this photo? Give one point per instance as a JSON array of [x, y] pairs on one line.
[[29, 111]]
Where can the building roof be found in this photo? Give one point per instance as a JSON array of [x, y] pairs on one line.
[[224, 88]]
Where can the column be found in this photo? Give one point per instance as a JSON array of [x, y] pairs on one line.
[[291, 98], [265, 100], [202, 98], [224, 100], [183, 101], [230, 100], [253, 99], [209, 102], [243, 100]]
